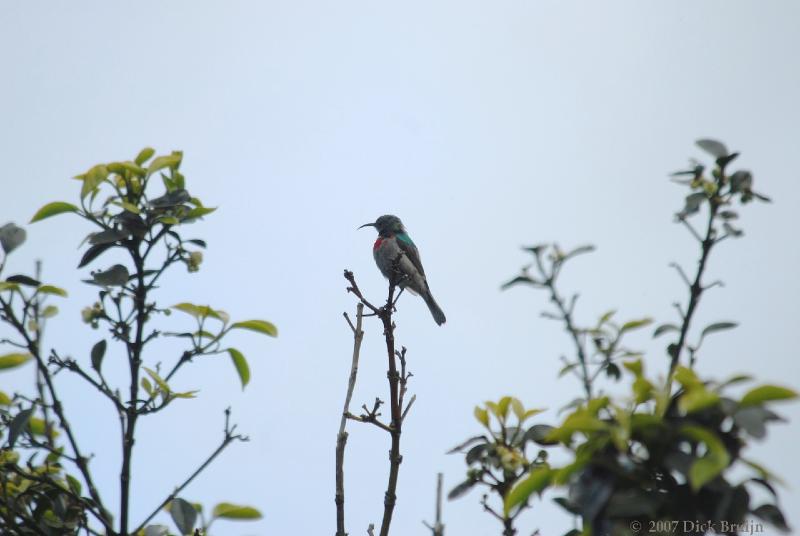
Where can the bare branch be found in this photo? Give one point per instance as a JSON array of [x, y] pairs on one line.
[[341, 438]]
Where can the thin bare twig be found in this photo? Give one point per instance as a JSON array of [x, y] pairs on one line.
[[437, 528], [229, 437], [341, 437]]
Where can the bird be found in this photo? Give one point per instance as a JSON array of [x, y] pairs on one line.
[[393, 242]]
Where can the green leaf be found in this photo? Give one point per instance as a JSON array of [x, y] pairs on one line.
[[612, 371], [144, 155], [664, 328], [643, 389], [518, 409], [5, 400], [594, 405], [635, 324], [713, 147], [234, 511], [117, 167], [261, 326], [715, 460], [52, 209], [692, 204], [741, 180], [169, 220], [14, 360], [481, 415], [201, 311], [49, 311], [635, 367], [130, 207], [109, 236], [687, 378], [171, 199], [98, 352], [578, 251], [169, 184], [74, 484], [566, 368], [116, 276], [5, 285], [161, 162], [461, 489], [719, 326], [147, 386], [241, 366], [38, 427], [184, 515], [767, 393], [502, 407], [533, 411], [23, 280], [92, 253], [156, 530], [190, 308], [753, 420], [156, 378], [186, 394], [536, 481], [50, 289], [92, 179], [11, 237], [469, 442], [606, 317], [733, 380], [198, 212], [540, 434], [697, 399], [580, 421], [772, 514]]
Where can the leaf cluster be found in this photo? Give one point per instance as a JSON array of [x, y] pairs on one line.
[[147, 228], [673, 447], [661, 457], [497, 459]]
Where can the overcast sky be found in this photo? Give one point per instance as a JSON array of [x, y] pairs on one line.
[[484, 127]]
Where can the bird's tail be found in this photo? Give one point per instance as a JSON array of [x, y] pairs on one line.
[[438, 314]]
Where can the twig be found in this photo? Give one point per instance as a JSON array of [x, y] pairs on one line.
[[691, 229], [341, 438], [569, 324], [437, 529], [681, 273], [695, 289], [408, 407], [228, 438]]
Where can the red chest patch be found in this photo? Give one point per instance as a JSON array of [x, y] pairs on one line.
[[377, 243]]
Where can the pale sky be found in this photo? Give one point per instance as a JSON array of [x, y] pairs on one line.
[[484, 127]]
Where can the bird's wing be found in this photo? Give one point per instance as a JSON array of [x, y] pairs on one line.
[[407, 246]]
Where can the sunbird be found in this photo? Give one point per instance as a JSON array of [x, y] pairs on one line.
[[393, 242]]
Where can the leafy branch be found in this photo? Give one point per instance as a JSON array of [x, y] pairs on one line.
[[115, 199]]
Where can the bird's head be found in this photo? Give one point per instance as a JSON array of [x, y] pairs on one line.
[[387, 225]]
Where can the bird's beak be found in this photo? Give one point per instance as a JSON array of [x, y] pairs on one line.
[[367, 225]]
